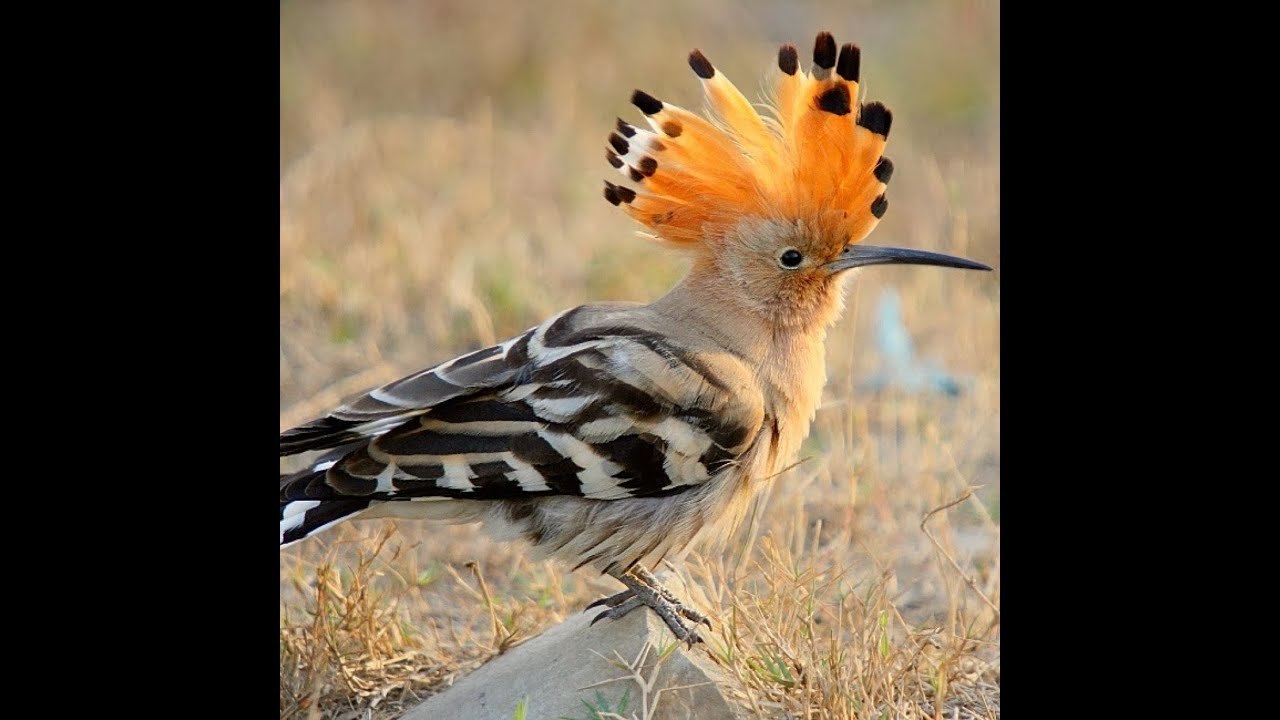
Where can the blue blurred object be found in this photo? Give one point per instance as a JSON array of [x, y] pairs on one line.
[[899, 367]]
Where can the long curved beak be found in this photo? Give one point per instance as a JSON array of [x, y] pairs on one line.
[[860, 255]]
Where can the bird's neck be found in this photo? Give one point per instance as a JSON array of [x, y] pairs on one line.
[[789, 359], [700, 306]]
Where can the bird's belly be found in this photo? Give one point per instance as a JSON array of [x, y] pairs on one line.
[[612, 535]]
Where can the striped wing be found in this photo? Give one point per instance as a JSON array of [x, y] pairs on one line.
[[380, 410], [598, 411]]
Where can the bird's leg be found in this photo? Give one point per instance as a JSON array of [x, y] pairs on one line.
[[643, 589]]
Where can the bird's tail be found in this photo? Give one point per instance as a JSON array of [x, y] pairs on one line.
[[308, 505], [303, 518]]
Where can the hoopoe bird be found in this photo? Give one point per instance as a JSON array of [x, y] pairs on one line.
[[614, 435]]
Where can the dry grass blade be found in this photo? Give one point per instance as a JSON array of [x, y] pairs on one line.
[[352, 653], [973, 585]]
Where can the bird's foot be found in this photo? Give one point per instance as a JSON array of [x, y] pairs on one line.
[[688, 612], [643, 589]]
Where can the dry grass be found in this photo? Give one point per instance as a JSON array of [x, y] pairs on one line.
[[440, 177]]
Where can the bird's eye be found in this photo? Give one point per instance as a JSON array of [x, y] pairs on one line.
[[790, 258]]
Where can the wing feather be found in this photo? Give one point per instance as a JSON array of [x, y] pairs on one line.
[[572, 407], [380, 409]]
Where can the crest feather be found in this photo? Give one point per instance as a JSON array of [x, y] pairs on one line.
[[818, 159]]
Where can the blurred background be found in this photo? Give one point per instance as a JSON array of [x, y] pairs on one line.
[[441, 166]]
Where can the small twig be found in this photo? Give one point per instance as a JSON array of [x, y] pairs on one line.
[[973, 585], [977, 502], [646, 684], [488, 602]]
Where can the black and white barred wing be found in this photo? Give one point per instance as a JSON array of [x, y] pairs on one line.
[[377, 411], [602, 413]]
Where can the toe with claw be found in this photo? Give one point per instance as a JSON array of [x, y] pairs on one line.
[[644, 589]]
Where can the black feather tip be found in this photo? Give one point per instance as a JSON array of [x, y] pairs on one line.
[[884, 170], [616, 194], [878, 206], [648, 104], [850, 62], [619, 143], [835, 100], [824, 51], [701, 65], [788, 59], [625, 128], [876, 118]]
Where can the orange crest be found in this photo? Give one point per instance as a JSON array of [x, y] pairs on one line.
[[817, 161]]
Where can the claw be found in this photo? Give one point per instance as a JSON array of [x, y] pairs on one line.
[[616, 611], [611, 600], [691, 614]]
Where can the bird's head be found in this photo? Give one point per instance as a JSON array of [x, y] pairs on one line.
[[772, 207]]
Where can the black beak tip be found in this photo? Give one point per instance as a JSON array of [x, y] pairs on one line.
[[862, 255]]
